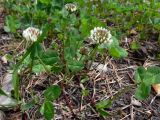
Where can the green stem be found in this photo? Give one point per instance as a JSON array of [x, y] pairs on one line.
[[15, 78], [93, 55]]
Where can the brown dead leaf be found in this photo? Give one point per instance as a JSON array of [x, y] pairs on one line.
[[133, 32], [156, 87]]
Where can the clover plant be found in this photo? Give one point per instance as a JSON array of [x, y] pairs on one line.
[[145, 78], [77, 37]]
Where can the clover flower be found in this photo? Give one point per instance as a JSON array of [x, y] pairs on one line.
[[31, 34], [100, 35], [71, 7]]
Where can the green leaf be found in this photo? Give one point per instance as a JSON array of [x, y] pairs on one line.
[[47, 109], [135, 45], [46, 28], [115, 42], [154, 69], [142, 92], [100, 106], [45, 1], [97, 22], [146, 78], [64, 13], [40, 68], [117, 52], [75, 66], [153, 75], [104, 104], [149, 76], [2, 92], [70, 52], [85, 92], [85, 79], [103, 112], [40, 15], [37, 50], [84, 28], [52, 92], [27, 106], [56, 68], [57, 3], [12, 24], [16, 84], [74, 35], [140, 74], [49, 57], [156, 21]]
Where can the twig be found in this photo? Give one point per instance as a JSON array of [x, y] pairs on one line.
[[67, 100], [131, 112]]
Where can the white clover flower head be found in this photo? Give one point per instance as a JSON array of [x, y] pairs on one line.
[[100, 35], [31, 34], [71, 7]]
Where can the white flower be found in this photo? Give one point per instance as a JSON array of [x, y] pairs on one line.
[[71, 7], [31, 34], [100, 35]]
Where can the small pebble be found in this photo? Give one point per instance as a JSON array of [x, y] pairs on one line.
[[4, 59], [136, 102]]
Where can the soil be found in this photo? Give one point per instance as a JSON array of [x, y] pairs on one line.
[[117, 81]]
